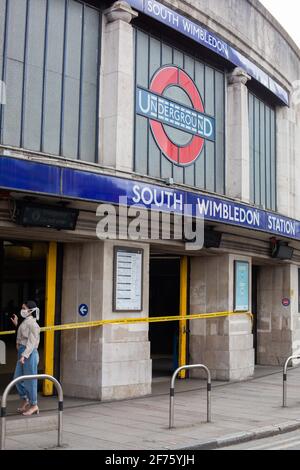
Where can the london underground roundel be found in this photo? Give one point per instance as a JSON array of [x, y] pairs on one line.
[[174, 77], [176, 113]]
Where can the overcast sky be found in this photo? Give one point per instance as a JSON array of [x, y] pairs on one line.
[[287, 12]]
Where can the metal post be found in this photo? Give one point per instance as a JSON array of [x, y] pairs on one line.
[[171, 409], [208, 401], [172, 391], [60, 423], [284, 395], [32, 377], [2, 441]]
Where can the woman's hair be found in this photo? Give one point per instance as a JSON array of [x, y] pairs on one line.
[[30, 304]]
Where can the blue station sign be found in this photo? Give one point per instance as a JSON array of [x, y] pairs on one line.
[[30, 177], [209, 40]]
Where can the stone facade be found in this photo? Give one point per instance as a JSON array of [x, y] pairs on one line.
[[225, 345], [278, 325], [113, 362]]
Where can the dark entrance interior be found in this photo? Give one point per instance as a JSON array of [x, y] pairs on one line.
[[22, 277], [164, 301], [255, 281]]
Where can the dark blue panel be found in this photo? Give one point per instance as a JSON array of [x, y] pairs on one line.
[[23, 175], [228, 212], [94, 187], [138, 4], [101, 188], [209, 40]]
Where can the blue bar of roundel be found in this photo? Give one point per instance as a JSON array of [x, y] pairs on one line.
[[29, 176], [176, 125]]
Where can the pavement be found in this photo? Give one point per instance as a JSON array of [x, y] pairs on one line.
[[241, 412]]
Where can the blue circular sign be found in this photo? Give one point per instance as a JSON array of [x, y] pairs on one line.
[[83, 310]]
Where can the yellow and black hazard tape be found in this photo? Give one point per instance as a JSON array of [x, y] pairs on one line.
[[128, 321]]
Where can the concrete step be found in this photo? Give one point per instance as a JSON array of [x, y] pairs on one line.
[[45, 421]]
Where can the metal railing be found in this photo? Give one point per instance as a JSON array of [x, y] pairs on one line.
[[172, 391], [32, 377], [284, 399]]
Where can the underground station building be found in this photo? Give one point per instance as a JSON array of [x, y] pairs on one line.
[[165, 105]]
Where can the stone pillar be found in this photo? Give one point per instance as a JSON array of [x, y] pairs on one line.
[[225, 345], [278, 327], [238, 147], [117, 88], [81, 350], [126, 363], [110, 362]]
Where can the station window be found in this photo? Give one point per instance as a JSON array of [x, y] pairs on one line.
[[49, 60], [262, 123]]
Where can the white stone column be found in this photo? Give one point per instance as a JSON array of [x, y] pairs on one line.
[[126, 363], [110, 362], [81, 350], [117, 88], [238, 146], [225, 345]]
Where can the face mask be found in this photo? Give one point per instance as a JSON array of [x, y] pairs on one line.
[[26, 313]]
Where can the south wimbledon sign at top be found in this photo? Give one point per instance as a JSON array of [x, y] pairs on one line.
[[162, 111]]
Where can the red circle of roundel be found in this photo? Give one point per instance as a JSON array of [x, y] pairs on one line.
[[166, 77]]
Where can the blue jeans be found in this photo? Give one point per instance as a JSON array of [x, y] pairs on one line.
[[28, 388]]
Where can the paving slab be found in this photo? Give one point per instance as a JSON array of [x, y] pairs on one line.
[[240, 411]]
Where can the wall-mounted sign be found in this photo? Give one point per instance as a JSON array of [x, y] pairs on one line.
[[211, 41], [32, 177], [286, 302], [40, 215], [128, 280], [241, 286], [83, 310], [164, 111]]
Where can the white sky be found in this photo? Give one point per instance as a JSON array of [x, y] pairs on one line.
[[287, 12]]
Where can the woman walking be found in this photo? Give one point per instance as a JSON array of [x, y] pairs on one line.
[[28, 339]]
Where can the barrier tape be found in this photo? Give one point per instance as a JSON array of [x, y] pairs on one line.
[[128, 321]]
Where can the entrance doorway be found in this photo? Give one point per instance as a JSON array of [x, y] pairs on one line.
[[164, 301], [22, 278], [255, 284]]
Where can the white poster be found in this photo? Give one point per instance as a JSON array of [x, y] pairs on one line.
[[128, 280]]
